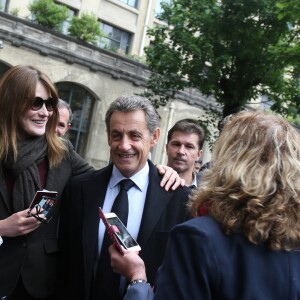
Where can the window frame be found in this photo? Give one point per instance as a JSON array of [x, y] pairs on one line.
[[127, 3], [124, 43]]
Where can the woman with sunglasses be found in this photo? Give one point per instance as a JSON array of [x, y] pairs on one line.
[[32, 158]]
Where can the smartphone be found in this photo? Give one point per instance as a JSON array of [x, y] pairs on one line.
[[43, 203], [118, 232]]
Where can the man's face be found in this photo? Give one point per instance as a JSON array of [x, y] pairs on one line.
[[130, 141], [182, 151], [63, 124], [197, 166]]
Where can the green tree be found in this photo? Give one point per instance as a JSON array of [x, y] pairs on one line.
[[49, 14], [86, 27], [234, 50]]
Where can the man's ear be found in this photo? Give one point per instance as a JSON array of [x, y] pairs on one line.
[[200, 152], [155, 137]]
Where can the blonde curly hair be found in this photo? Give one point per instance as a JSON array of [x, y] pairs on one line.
[[253, 186]]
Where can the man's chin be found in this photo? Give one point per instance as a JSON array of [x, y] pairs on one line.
[[126, 172], [178, 170], [178, 167]]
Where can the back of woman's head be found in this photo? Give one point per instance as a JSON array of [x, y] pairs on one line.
[[17, 94], [254, 183]]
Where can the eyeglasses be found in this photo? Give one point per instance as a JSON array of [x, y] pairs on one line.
[[39, 102]]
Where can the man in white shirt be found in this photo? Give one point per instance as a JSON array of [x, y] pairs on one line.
[[132, 130], [184, 147]]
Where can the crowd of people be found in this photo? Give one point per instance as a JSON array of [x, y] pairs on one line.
[[248, 245], [233, 233], [34, 157]]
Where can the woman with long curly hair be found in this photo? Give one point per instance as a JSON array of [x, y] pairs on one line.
[[248, 245]]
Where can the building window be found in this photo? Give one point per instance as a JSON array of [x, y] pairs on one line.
[[3, 67], [159, 9], [116, 39], [132, 3], [66, 24], [4, 5], [82, 103]]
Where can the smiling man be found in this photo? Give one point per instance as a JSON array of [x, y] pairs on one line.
[[132, 130], [184, 147]]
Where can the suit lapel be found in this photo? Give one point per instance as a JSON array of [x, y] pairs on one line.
[[157, 199], [93, 194]]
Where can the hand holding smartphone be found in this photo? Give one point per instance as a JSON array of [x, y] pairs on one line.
[[42, 204], [118, 232]]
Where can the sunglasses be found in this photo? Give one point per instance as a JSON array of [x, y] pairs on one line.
[[39, 102]]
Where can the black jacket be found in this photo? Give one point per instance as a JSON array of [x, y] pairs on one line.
[[80, 223]]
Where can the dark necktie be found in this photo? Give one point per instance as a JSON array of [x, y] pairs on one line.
[[106, 285], [120, 206]]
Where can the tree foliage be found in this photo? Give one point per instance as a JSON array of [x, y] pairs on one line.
[[49, 14], [86, 27], [234, 50]]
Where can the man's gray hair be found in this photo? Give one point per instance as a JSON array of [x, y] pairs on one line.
[[61, 104], [133, 103]]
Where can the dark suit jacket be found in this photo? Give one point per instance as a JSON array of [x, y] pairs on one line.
[[80, 222], [202, 262], [35, 256]]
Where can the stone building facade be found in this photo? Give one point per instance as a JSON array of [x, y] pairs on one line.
[[89, 78]]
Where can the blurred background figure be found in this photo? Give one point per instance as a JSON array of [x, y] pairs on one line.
[[197, 165], [64, 119]]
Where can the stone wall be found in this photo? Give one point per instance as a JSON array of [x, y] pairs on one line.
[[104, 74]]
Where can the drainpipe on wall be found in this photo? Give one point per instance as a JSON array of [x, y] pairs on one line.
[[145, 28], [170, 120]]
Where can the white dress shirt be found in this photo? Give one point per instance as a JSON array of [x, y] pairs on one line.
[[136, 200]]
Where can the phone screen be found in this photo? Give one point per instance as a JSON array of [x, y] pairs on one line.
[[121, 232]]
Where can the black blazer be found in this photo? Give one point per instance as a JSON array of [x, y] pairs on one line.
[[80, 222], [202, 262], [35, 256]]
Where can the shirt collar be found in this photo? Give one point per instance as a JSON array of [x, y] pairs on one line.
[[141, 178], [194, 180]]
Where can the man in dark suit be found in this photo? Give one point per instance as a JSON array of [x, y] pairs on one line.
[[132, 129]]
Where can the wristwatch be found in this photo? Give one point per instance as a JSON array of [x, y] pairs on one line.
[[1, 241]]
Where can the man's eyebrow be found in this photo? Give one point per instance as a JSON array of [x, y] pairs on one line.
[[135, 131], [115, 131]]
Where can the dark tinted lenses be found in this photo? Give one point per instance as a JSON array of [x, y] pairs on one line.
[[39, 102]]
